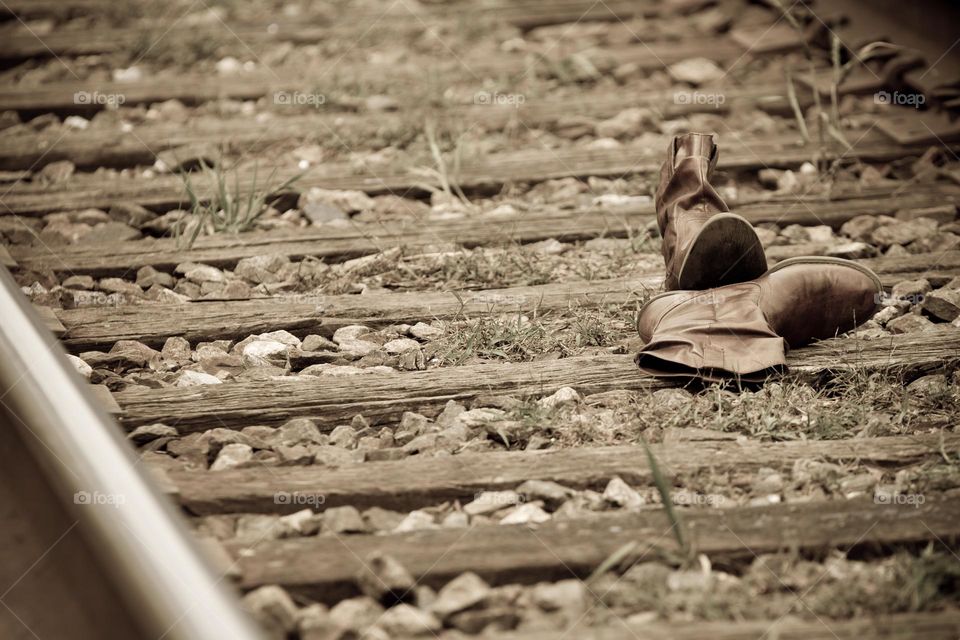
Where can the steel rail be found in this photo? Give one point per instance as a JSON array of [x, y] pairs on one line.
[[137, 536]]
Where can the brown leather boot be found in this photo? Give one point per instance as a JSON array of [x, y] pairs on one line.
[[744, 330], [703, 244]]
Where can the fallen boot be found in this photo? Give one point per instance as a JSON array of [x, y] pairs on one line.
[[744, 330], [703, 244]]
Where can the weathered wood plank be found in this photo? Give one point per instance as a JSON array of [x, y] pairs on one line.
[[336, 244], [416, 483], [485, 174], [94, 148], [324, 568], [99, 327], [191, 89], [382, 398], [943, 625]]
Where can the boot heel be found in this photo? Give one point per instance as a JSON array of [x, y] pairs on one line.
[[725, 251]]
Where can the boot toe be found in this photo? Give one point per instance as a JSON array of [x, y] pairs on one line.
[[809, 299]]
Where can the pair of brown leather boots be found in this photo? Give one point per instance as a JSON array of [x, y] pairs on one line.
[[741, 330]]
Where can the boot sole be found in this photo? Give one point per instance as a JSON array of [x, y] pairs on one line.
[[786, 263], [725, 251], [828, 260]]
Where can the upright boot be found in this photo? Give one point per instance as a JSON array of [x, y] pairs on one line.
[[703, 244], [744, 330]]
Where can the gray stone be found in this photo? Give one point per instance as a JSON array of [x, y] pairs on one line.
[[382, 520], [298, 431], [943, 304], [910, 323], [344, 519], [568, 596], [416, 521], [265, 353], [527, 513], [273, 609], [425, 332], [190, 378], [464, 591], [176, 349], [490, 501], [262, 269], [861, 228], [904, 232], [81, 283], [620, 494], [356, 614], [135, 352], [385, 580], [551, 493], [403, 621], [148, 432], [131, 213], [314, 342], [148, 276], [909, 292], [695, 71], [232, 456], [112, 232], [315, 623]]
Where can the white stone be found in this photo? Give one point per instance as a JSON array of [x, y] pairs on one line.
[[350, 332], [424, 331], [232, 456], [562, 397], [82, 367], [282, 336], [526, 514], [265, 352], [190, 378], [490, 501], [621, 494], [401, 345]]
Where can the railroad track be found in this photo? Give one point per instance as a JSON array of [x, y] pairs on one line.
[[396, 397]]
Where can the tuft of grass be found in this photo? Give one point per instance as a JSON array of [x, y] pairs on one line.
[[443, 174], [232, 208], [663, 488]]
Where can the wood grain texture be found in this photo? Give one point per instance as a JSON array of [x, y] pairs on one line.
[[94, 148], [193, 89], [481, 175], [337, 244], [324, 568], [382, 398], [420, 482], [96, 327], [100, 327]]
